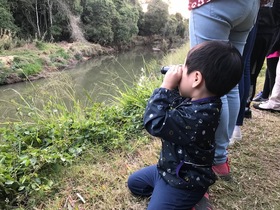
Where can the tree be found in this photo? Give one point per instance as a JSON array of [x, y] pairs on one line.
[[110, 22], [6, 17], [125, 23], [181, 25], [98, 18], [170, 27], [155, 18]]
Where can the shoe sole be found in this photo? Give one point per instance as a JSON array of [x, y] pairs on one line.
[[256, 106]]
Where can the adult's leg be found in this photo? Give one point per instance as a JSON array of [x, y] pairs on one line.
[[266, 86], [257, 60], [261, 47], [271, 67], [274, 101], [244, 84], [229, 20]]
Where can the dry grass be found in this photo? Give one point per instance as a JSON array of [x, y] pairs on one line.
[[255, 167], [101, 181], [101, 178]]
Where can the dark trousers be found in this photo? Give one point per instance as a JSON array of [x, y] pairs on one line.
[[259, 53], [244, 84], [269, 76], [148, 182]]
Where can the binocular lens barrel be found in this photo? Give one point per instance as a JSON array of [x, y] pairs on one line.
[[164, 69]]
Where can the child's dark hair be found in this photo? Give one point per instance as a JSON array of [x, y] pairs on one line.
[[220, 64]]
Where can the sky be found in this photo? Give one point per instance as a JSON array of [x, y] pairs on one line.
[[180, 6]]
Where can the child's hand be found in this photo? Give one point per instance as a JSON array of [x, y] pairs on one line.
[[172, 77]]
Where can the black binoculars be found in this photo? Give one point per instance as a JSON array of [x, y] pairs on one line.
[[164, 69]]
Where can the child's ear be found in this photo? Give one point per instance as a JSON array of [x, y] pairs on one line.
[[197, 79]]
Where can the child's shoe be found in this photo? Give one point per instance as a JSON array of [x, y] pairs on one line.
[[203, 204], [222, 171], [236, 135]]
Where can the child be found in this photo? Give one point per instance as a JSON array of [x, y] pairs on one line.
[[184, 112]]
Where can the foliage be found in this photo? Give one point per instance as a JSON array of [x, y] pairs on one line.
[[170, 27], [106, 22], [125, 25], [100, 176], [182, 25], [41, 45], [157, 21], [98, 19], [61, 130], [33, 60], [110, 22], [26, 66], [155, 18], [56, 133], [6, 39], [6, 17]]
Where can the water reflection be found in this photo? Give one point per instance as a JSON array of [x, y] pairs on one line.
[[93, 77]]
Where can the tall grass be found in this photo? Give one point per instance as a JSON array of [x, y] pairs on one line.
[[54, 128], [100, 178], [79, 155]]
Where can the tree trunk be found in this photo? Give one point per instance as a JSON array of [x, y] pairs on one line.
[[50, 6], [37, 19]]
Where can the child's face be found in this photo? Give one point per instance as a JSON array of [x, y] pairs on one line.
[[185, 86]]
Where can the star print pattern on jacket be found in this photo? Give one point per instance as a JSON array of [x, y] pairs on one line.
[[187, 131], [196, 3]]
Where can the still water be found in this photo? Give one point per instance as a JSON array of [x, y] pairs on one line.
[[95, 77]]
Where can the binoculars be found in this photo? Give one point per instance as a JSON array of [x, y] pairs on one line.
[[164, 69]]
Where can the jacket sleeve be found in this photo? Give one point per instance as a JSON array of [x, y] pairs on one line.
[[164, 117]]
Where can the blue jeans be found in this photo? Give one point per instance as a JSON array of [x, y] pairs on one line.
[[148, 182], [226, 20]]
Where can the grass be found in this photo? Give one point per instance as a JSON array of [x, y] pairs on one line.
[[97, 180], [254, 166], [38, 59], [101, 178]]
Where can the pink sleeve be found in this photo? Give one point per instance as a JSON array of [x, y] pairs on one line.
[[274, 55]]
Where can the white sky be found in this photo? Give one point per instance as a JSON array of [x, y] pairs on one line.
[[180, 6]]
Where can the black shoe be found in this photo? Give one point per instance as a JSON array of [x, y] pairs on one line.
[[248, 113]]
